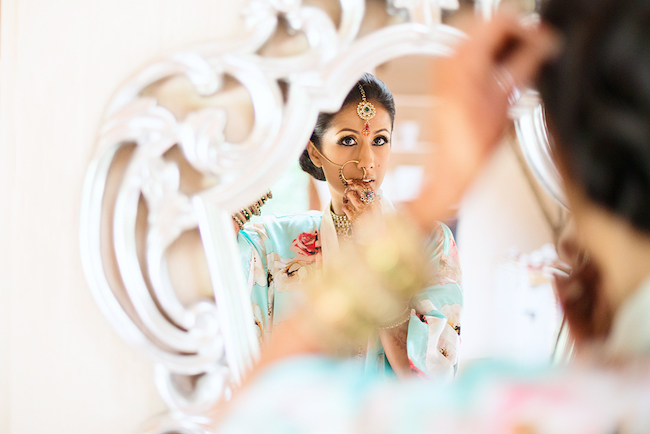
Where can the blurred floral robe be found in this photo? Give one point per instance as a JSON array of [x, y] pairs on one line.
[[606, 393], [282, 251]]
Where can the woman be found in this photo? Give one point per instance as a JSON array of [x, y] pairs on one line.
[[350, 149], [597, 97]]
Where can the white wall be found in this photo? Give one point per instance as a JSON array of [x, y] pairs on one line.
[[62, 367]]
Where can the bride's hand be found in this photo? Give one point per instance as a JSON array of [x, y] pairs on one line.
[[359, 198], [361, 206]]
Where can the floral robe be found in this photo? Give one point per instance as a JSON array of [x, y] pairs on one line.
[[282, 251], [606, 393], [316, 394]]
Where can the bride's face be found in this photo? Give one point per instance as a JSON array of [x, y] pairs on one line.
[[344, 141]]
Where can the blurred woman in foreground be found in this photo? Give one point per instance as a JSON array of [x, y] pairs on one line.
[[595, 83]]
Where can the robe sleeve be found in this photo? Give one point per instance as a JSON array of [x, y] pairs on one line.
[[434, 327], [277, 254], [253, 246]]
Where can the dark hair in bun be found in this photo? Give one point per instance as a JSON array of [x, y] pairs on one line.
[[597, 98], [375, 90]]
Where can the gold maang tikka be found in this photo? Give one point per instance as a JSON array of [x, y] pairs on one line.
[[366, 111]]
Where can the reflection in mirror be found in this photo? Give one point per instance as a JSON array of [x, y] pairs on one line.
[[351, 150], [508, 226]]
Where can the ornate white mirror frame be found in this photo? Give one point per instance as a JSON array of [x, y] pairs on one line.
[[536, 146], [200, 350]]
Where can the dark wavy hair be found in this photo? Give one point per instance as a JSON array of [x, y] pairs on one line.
[[597, 99], [375, 90]]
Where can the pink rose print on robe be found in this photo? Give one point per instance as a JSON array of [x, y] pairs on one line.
[[307, 248], [308, 259]]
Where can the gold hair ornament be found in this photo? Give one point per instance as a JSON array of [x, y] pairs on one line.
[[366, 111], [342, 177]]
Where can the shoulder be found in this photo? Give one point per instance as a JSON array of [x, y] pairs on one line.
[[441, 236], [278, 232], [293, 223], [283, 229], [289, 219]]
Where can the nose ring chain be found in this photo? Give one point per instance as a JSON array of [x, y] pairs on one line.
[[342, 177]]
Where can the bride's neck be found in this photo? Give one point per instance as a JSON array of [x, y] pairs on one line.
[[337, 202]]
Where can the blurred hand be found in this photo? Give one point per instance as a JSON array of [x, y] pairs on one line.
[[473, 86]]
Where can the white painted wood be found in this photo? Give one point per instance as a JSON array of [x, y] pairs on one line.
[[62, 367]]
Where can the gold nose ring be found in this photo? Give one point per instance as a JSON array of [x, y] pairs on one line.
[[344, 180]]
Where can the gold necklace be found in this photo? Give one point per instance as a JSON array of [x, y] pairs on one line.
[[342, 225]]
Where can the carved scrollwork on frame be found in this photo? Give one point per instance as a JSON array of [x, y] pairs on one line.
[[532, 132], [135, 206]]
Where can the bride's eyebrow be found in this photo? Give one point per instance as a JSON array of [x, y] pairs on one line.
[[348, 129]]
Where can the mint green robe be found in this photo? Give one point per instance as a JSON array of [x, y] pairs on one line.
[[282, 251]]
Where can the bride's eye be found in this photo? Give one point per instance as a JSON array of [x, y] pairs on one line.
[[380, 141], [347, 141]]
